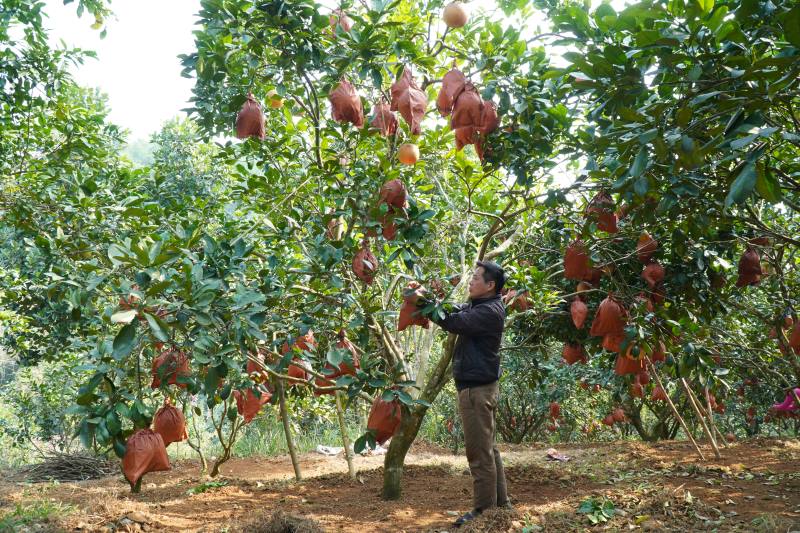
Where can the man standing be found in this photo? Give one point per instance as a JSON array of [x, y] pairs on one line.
[[476, 369]]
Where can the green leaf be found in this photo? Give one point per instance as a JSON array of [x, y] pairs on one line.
[[212, 381], [124, 341], [113, 423], [706, 5], [768, 187], [742, 186], [123, 317], [119, 448], [335, 356], [791, 26], [683, 116], [360, 444], [640, 163], [158, 327], [388, 395], [742, 142], [405, 397]]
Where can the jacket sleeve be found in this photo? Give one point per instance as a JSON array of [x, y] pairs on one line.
[[472, 321]]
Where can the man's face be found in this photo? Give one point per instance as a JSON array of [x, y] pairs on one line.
[[478, 288]]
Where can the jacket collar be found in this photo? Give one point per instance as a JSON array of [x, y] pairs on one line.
[[478, 301]]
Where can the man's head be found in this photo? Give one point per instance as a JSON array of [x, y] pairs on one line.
[[487, 280]]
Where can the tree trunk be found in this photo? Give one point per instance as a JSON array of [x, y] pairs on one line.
[[411, 422], [287, 429], [348, 450], [396, 456]]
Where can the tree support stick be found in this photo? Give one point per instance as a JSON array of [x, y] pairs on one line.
[[348, 450], [710, 414], [702, 419], [287, 429], [675, 411]]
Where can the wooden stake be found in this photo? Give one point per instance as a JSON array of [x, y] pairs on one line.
[[710, 414], [348, 451], [700, 416], [675, 411]]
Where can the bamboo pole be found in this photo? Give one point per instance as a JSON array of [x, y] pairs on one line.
[[348, 450], [710, 414], [675, 410], [702, 419]]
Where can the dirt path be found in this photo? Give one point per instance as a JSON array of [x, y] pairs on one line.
[[660, 487]]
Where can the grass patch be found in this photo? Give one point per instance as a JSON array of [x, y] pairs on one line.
[[33, 513], [279, 522], [207, 486]]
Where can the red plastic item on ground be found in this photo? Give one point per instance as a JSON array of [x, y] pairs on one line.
[[384, 418], [170, 365], [144, 452], [170, 423]]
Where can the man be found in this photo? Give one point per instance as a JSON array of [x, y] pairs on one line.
[[476, 369]]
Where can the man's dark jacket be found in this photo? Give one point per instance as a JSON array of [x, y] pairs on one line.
[[479, 325]]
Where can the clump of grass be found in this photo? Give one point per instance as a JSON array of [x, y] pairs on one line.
[[772, 522], [280, 522], [32, 513], [207, 486]]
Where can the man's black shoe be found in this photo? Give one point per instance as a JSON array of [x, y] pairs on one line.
[[466, 517]]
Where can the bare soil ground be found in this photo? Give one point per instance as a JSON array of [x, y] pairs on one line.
[[655, 487]]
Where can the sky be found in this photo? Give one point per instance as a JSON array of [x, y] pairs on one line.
[[137, 66]]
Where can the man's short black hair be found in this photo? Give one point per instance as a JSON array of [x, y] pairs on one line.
[[493, 272]]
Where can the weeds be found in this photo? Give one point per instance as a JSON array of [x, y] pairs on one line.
[[31, 513], [207, 486]]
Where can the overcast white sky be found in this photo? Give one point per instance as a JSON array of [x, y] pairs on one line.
[[137, 65]]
